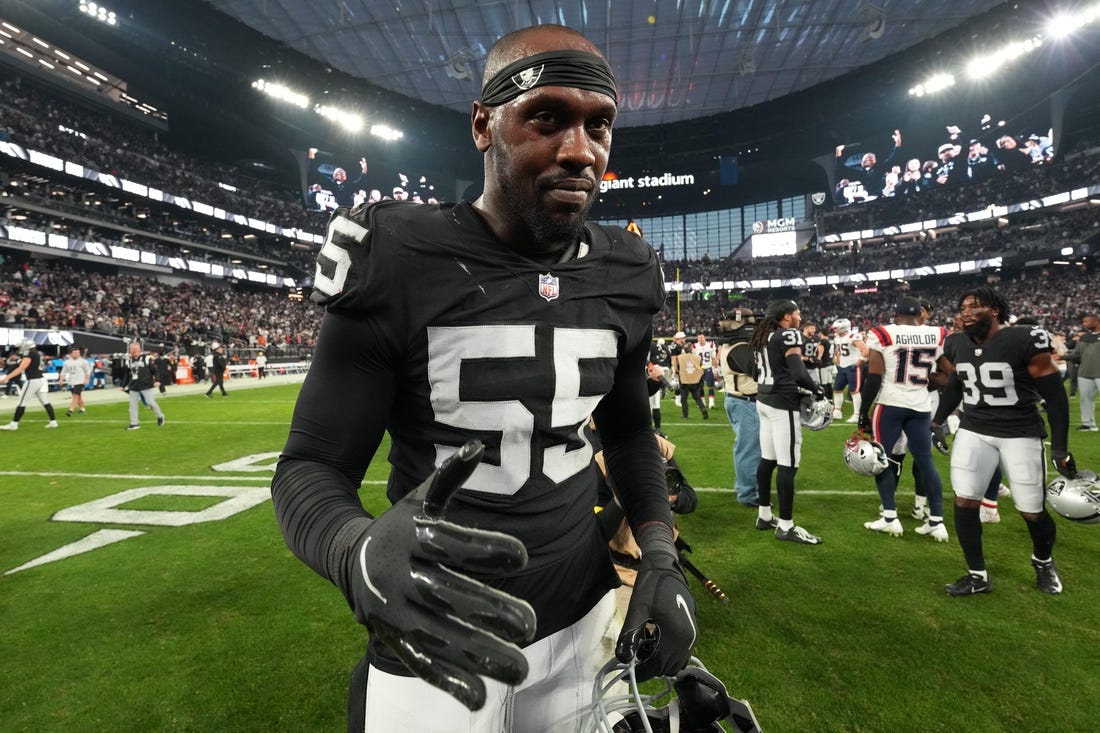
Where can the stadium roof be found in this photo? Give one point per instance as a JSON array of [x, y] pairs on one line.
[[675, 59]]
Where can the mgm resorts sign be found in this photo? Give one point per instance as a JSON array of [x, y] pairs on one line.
[[785, 224]]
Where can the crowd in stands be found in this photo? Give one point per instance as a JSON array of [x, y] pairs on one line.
[[1055, 296], [39, 295], [110, 145]]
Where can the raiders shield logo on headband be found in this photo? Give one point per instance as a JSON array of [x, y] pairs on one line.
[[528, 77]]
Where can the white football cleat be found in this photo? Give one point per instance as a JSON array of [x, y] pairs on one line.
[[938, 532], [853, 419], [837, 414], [10, 426], [51, 424], [890, 527]]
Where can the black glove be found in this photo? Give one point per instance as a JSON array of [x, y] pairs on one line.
[[1064, 462], [407, 588], [865, 424], [819, 392], [659, 629], [939, 439]]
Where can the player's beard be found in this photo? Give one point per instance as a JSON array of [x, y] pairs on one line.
[[551, 233], [978, 330]]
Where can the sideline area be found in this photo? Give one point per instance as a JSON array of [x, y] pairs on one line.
[[60, 399]]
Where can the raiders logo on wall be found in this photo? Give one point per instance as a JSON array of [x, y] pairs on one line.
[[818, 198]]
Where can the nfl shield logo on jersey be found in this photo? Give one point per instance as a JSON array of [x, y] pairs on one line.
[[548, 287]]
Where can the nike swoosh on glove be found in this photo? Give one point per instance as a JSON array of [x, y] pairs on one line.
[[659, 630], [1064, 462], [410, 589]]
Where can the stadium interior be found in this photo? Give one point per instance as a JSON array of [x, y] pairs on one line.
[[165, 167], [181, 166]]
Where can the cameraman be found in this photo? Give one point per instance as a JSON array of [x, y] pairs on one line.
[[736, 360]]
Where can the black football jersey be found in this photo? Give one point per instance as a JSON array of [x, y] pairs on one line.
[[437, 334], [999, 395], [777, 385], [809, 352], [827, 350], [34, 368]]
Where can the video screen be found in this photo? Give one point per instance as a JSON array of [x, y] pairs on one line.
[[335, 179], [951, 151]]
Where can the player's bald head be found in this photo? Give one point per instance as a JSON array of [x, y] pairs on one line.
[[520, 44]]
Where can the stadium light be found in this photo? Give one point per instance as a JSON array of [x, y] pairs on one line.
[[348, 120], [100, 13], [386, 133], [933, 84], [281, 92], [981, 67]]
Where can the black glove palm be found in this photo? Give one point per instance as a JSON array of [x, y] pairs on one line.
[[659, 629], [1064, 462], [407, 588], [939, 439]]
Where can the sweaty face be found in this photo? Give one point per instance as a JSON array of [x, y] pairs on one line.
[[549, 151], [977, 319]]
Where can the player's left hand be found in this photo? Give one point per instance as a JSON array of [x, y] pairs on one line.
[[659, 630], [1064, 462]]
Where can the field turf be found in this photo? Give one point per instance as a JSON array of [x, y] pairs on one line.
[[215, 626]]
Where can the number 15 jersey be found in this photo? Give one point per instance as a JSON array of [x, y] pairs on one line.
[[909, 353]]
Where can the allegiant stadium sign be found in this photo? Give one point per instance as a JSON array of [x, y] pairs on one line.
[[611, 181]]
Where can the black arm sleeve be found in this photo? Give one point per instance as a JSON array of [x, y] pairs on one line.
[[871, 385], [1054, 394], [338, 423], [798, 370], [949, 400], [630, 449]]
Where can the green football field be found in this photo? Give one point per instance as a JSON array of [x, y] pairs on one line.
[[145, 587]]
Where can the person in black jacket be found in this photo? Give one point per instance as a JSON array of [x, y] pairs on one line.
[[139, 379], [217, 371]]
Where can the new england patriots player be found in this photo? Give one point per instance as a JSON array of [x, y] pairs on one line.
[[900, 358], [1000, 373], [499, 326]]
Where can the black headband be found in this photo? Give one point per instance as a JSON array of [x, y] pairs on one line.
[[579, 69]]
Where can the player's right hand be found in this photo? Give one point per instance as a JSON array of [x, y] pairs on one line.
[[939, 439], [409, 588], [1065, 464]]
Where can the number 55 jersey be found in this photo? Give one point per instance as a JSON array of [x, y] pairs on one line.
[[437, 334]]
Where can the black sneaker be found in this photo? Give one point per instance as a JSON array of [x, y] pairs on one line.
[[133, 427], [206, 395], [1046, 576], [969, 584], [160, 421], [763, 524], [68, 413], [798, 535]]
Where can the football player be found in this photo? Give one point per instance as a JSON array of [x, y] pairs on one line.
[[849, 350], [31, 367], [1000, 373], [900, 359], [707, 351], [780, 373], [495, 329]]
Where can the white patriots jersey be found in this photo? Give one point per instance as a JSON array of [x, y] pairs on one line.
[[910, 353], [706, 351], [847, 352]]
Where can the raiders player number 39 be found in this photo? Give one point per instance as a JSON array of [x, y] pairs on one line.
[[1000, 373]]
